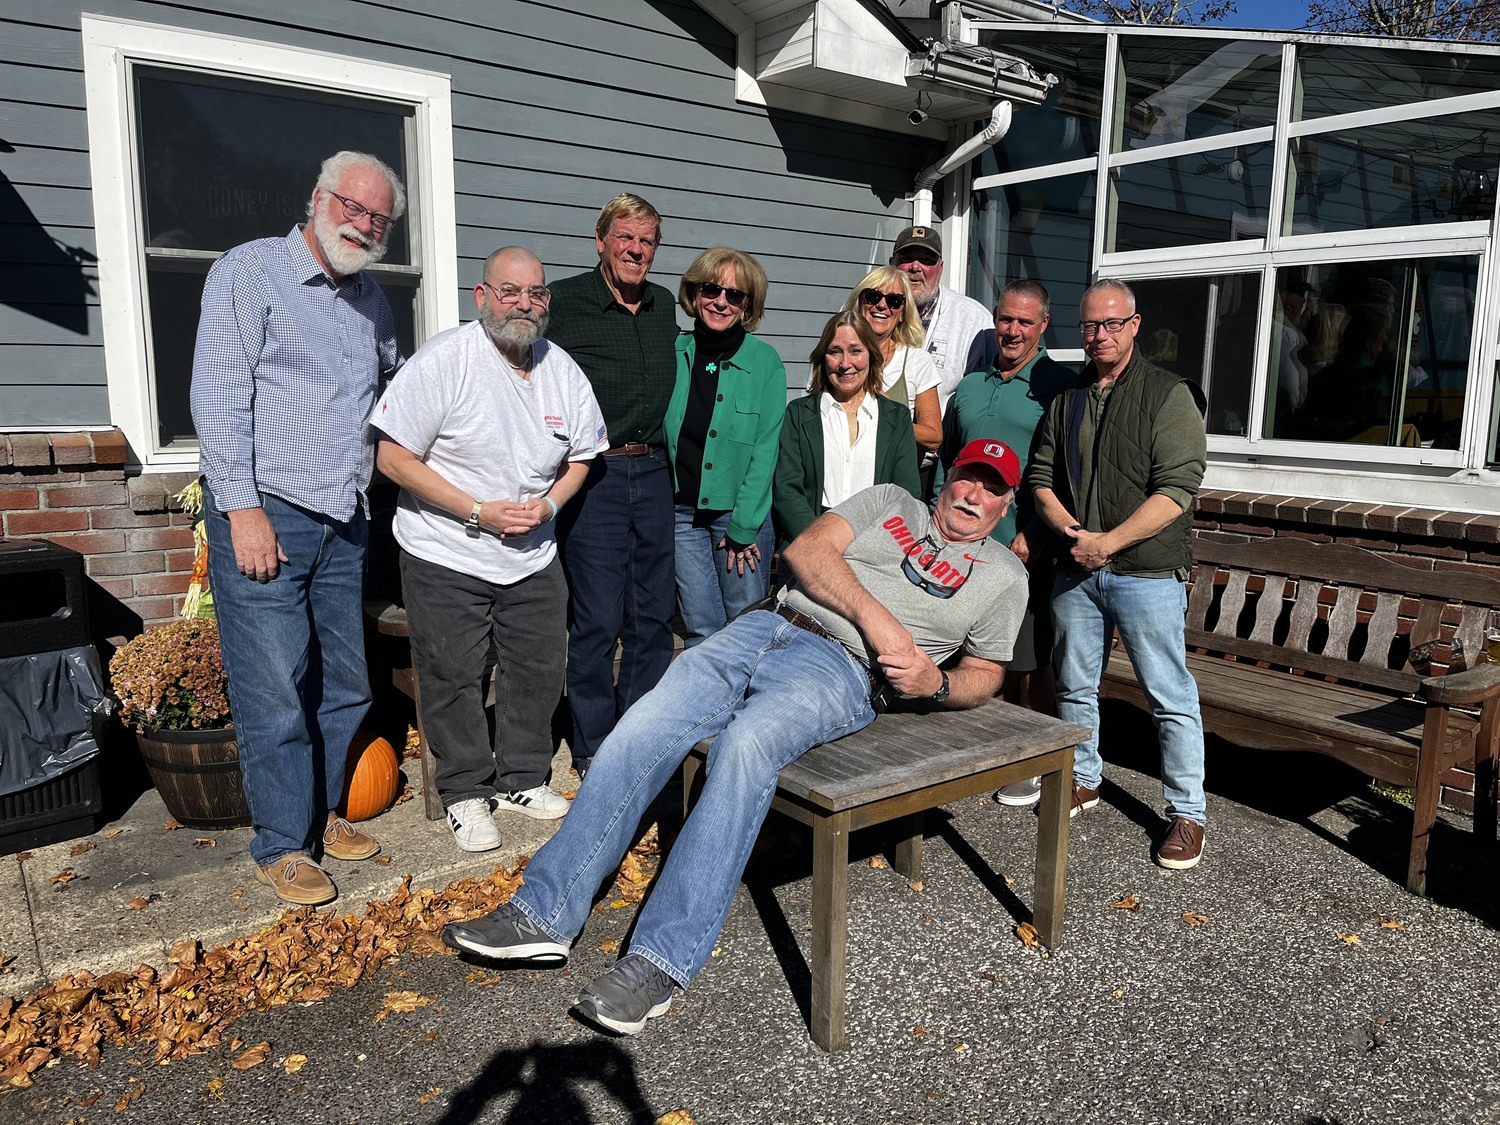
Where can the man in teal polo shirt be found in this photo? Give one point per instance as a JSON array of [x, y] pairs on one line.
[[1007, 402]]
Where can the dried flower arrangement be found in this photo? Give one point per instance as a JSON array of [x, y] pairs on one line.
[[171, 677]]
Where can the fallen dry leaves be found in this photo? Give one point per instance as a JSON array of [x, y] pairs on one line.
[[1129, 902], [1348, 939], [1030, 938], [293, 1063], [878, 862], [140, 902], [431, 1093], [186, 1008], [63, 877], [1387, 923], [676, 1117], [83, 848], [129, 1096], [171, 826], [402, 1001], [1193, 918], [251, 1056]]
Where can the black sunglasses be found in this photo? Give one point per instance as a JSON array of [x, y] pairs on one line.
[[872, 297], [936, 578], [711, 290]]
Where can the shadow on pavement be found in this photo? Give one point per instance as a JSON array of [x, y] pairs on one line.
[[1296, 786], [546, 1081]]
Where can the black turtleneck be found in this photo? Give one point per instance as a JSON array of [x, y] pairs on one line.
[[710, 350]]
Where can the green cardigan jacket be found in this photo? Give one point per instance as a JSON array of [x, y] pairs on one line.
[[739, 451], [798, 493]]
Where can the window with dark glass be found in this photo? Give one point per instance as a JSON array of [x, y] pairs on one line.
[[224, 161], [1372, 353], [1203, 328]]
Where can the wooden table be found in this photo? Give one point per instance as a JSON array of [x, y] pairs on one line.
[[894, 770]]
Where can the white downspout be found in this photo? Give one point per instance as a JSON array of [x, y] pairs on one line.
[[921, 196]]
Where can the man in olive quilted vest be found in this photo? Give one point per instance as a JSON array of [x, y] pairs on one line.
[[1120, 458]]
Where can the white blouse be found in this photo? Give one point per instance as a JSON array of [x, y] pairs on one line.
[[847, 467]]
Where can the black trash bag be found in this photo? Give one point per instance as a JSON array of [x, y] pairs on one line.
[[53, 710]]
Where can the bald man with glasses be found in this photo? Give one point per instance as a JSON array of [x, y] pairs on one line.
[[1118, 462]]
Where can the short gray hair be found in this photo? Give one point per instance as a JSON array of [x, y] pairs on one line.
[[1026, 287], [1111, 283], [341, 162]]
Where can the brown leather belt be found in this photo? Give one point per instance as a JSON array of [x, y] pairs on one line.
[[802, 621], [631, 449]]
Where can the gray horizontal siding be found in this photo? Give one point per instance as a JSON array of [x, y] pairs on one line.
[[556, 108]]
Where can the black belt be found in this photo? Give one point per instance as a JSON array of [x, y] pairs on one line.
[[631, 449], [802, 621]]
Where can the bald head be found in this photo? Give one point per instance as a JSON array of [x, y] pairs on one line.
[[511, 258]]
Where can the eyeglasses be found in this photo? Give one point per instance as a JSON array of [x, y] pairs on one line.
[[509, 294], [936, 577], [1109, 327], [872, 297], [354, 211], [710, 291]]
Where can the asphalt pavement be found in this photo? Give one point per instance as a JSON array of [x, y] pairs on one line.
[[1288, 978]]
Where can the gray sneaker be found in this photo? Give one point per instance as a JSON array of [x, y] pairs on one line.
[[623, 999], [1020, 794], [506, 935]]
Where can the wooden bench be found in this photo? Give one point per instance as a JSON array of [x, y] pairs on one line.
[[894, 770], [1326, 647]]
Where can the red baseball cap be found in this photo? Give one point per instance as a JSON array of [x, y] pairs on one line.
[[996, 454]]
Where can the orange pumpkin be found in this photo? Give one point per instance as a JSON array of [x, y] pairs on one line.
[[371, 777]]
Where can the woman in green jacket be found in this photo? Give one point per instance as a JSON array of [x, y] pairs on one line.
[[722, 427], [845, 436]]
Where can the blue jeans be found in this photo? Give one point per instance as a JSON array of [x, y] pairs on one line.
[[767, 692], [616, 541], [708, 595], [294, 650], [1149, 613]]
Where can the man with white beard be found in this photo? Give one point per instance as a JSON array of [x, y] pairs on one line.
[[489, 430], [293, 342]]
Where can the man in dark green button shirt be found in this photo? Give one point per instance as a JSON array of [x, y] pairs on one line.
[[617, 536]]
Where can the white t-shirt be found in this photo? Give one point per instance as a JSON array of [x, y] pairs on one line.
[[459, 407], [847, 468], [921, 374]]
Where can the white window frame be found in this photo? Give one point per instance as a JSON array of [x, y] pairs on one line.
[[1377, 474], [111, 48]]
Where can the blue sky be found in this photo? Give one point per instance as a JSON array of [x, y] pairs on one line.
[[1269, 14]]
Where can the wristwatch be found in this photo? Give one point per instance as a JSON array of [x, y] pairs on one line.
[[471, 525], [941, 695]]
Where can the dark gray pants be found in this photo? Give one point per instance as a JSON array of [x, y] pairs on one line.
[[456, 622]]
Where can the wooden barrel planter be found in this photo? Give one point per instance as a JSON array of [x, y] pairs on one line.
[[197, 773]]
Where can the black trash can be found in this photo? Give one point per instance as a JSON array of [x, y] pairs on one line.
[[53, 702]]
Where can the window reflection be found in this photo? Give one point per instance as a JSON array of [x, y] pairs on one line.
[[1408, 173], [1066, 125], [1372, 353], [1181, 89], [1204, 328], [1044, 230], [1217, 196], [1335, 79]]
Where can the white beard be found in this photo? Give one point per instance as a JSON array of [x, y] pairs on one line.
[[345, 259]]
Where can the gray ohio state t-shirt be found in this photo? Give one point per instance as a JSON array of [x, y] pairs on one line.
[[969, 596]]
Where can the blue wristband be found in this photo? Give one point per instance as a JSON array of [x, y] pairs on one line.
[[553, 504]]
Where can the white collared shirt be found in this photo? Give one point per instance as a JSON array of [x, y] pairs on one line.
[[847, 467]]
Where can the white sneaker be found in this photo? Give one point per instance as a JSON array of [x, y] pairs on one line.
[[540, 803], [473, 830]]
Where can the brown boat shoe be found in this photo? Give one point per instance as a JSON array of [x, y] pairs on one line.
[[1083, 798], [1182, 846], [297, 879], [341, 840]]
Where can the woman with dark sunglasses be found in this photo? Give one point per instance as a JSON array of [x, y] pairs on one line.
[[845, 436], [884, 297], [722, 428]]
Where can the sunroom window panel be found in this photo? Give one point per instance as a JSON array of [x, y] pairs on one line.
[[1041, 229], [1408, 173], [1204, 329], [1373, 353], [1221, 195], [1066, 126], [1191, 89], [1335, 78]]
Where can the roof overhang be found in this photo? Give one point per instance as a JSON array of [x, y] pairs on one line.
[[852, 60]]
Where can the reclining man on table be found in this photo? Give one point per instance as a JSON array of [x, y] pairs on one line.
[[886, 591]]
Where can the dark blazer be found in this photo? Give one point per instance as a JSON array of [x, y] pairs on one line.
[[797, 491]]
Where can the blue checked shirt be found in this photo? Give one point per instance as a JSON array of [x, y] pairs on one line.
[[286, 370]]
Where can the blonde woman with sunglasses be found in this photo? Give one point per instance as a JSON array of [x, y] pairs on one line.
[[884, 298]]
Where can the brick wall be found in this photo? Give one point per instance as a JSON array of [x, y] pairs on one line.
[[1418, 537], [73, 489]]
